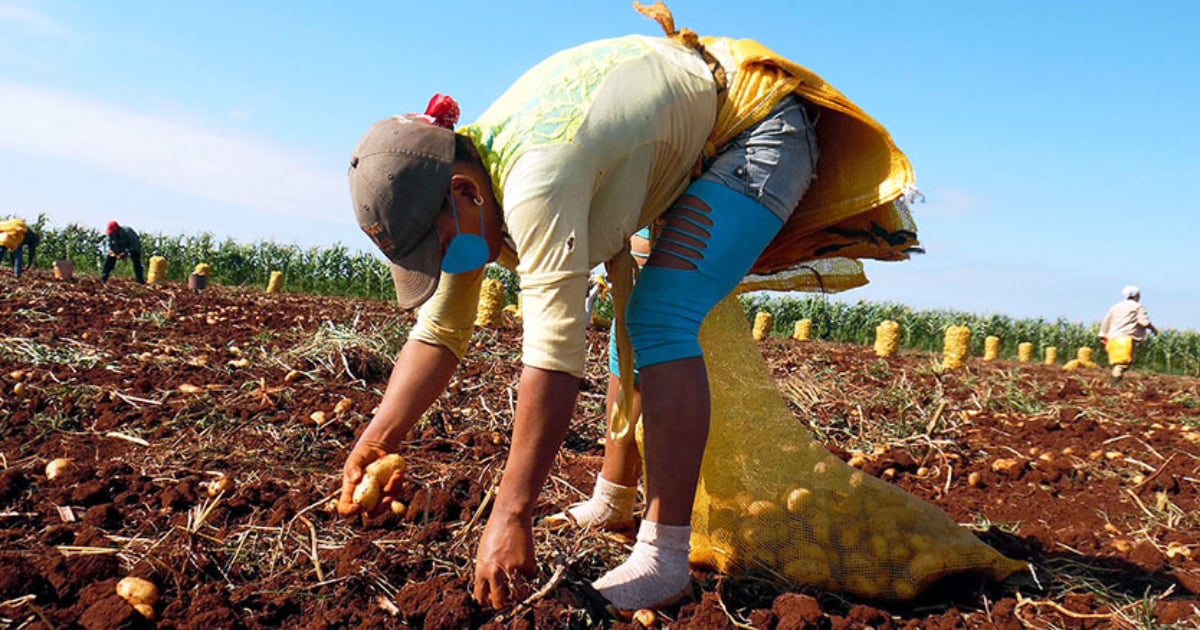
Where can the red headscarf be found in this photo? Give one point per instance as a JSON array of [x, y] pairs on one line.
[[112, 227], [442, 111]]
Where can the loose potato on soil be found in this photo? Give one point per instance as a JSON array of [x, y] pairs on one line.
[[141, 594], [57, 467]]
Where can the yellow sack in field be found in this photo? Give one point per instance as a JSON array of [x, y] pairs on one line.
[[773, 500], [275, 282], [1120, 350], [12, 233], [157, 271]]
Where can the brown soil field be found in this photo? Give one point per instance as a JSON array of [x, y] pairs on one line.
[[195, 462]]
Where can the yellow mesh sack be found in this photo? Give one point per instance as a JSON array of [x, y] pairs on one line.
[[887, 338], [991, 348], [1083, 359], [157, 271], [275, 282], [12, 233], [763, 322], [956, 347], [772, 499], [491, 304], [1120, 350]]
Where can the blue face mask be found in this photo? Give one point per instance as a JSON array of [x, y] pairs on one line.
[[466, 252]]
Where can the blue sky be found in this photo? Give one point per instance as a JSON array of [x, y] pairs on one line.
[[1055, 143]]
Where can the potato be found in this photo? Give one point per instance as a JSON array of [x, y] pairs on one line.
[[821, 528], [879, 546], [57, 467], [904, 590], [398, 508], [370, 490], [811, 571], [648, 618], [926, 564], [136, 590], [343, 406], [768, 512], [723, 518], [219, 485], [857, 479], [743, 499], [145, 610], [920, 542], [869, 584], [759, 535], [849, 535], [798, 500]]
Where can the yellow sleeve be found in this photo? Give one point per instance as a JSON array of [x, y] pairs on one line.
[[448, 318]]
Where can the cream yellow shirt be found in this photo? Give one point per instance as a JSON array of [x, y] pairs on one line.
[[1127, 318], [583, 150]]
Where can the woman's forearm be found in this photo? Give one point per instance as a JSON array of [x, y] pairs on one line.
[[419, 377], [545, 403]]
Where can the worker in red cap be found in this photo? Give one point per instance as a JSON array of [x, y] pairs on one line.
[[123, 241]]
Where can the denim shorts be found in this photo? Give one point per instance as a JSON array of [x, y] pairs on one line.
[[772, 162]]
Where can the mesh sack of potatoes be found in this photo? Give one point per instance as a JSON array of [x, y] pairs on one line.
[[773, 500], [12, 233]]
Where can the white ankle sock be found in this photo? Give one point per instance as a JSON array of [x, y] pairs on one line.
[[654, 573], [611, 505]]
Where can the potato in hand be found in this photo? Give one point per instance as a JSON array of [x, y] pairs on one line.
[[369, 491]]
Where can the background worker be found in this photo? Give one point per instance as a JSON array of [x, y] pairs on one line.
[[25, 255], [123, 242], [1125, 325], [16, 236]]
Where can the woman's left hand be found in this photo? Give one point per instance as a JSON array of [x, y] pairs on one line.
[[505, 556]]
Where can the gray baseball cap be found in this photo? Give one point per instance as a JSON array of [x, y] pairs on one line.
[[399, 176]]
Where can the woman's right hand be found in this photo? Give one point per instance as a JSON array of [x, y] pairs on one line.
[[363, 453]]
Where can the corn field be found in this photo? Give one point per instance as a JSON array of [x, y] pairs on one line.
[[338, 271]]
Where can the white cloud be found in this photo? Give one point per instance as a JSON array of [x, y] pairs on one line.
[[168, 154], [27, 19]]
